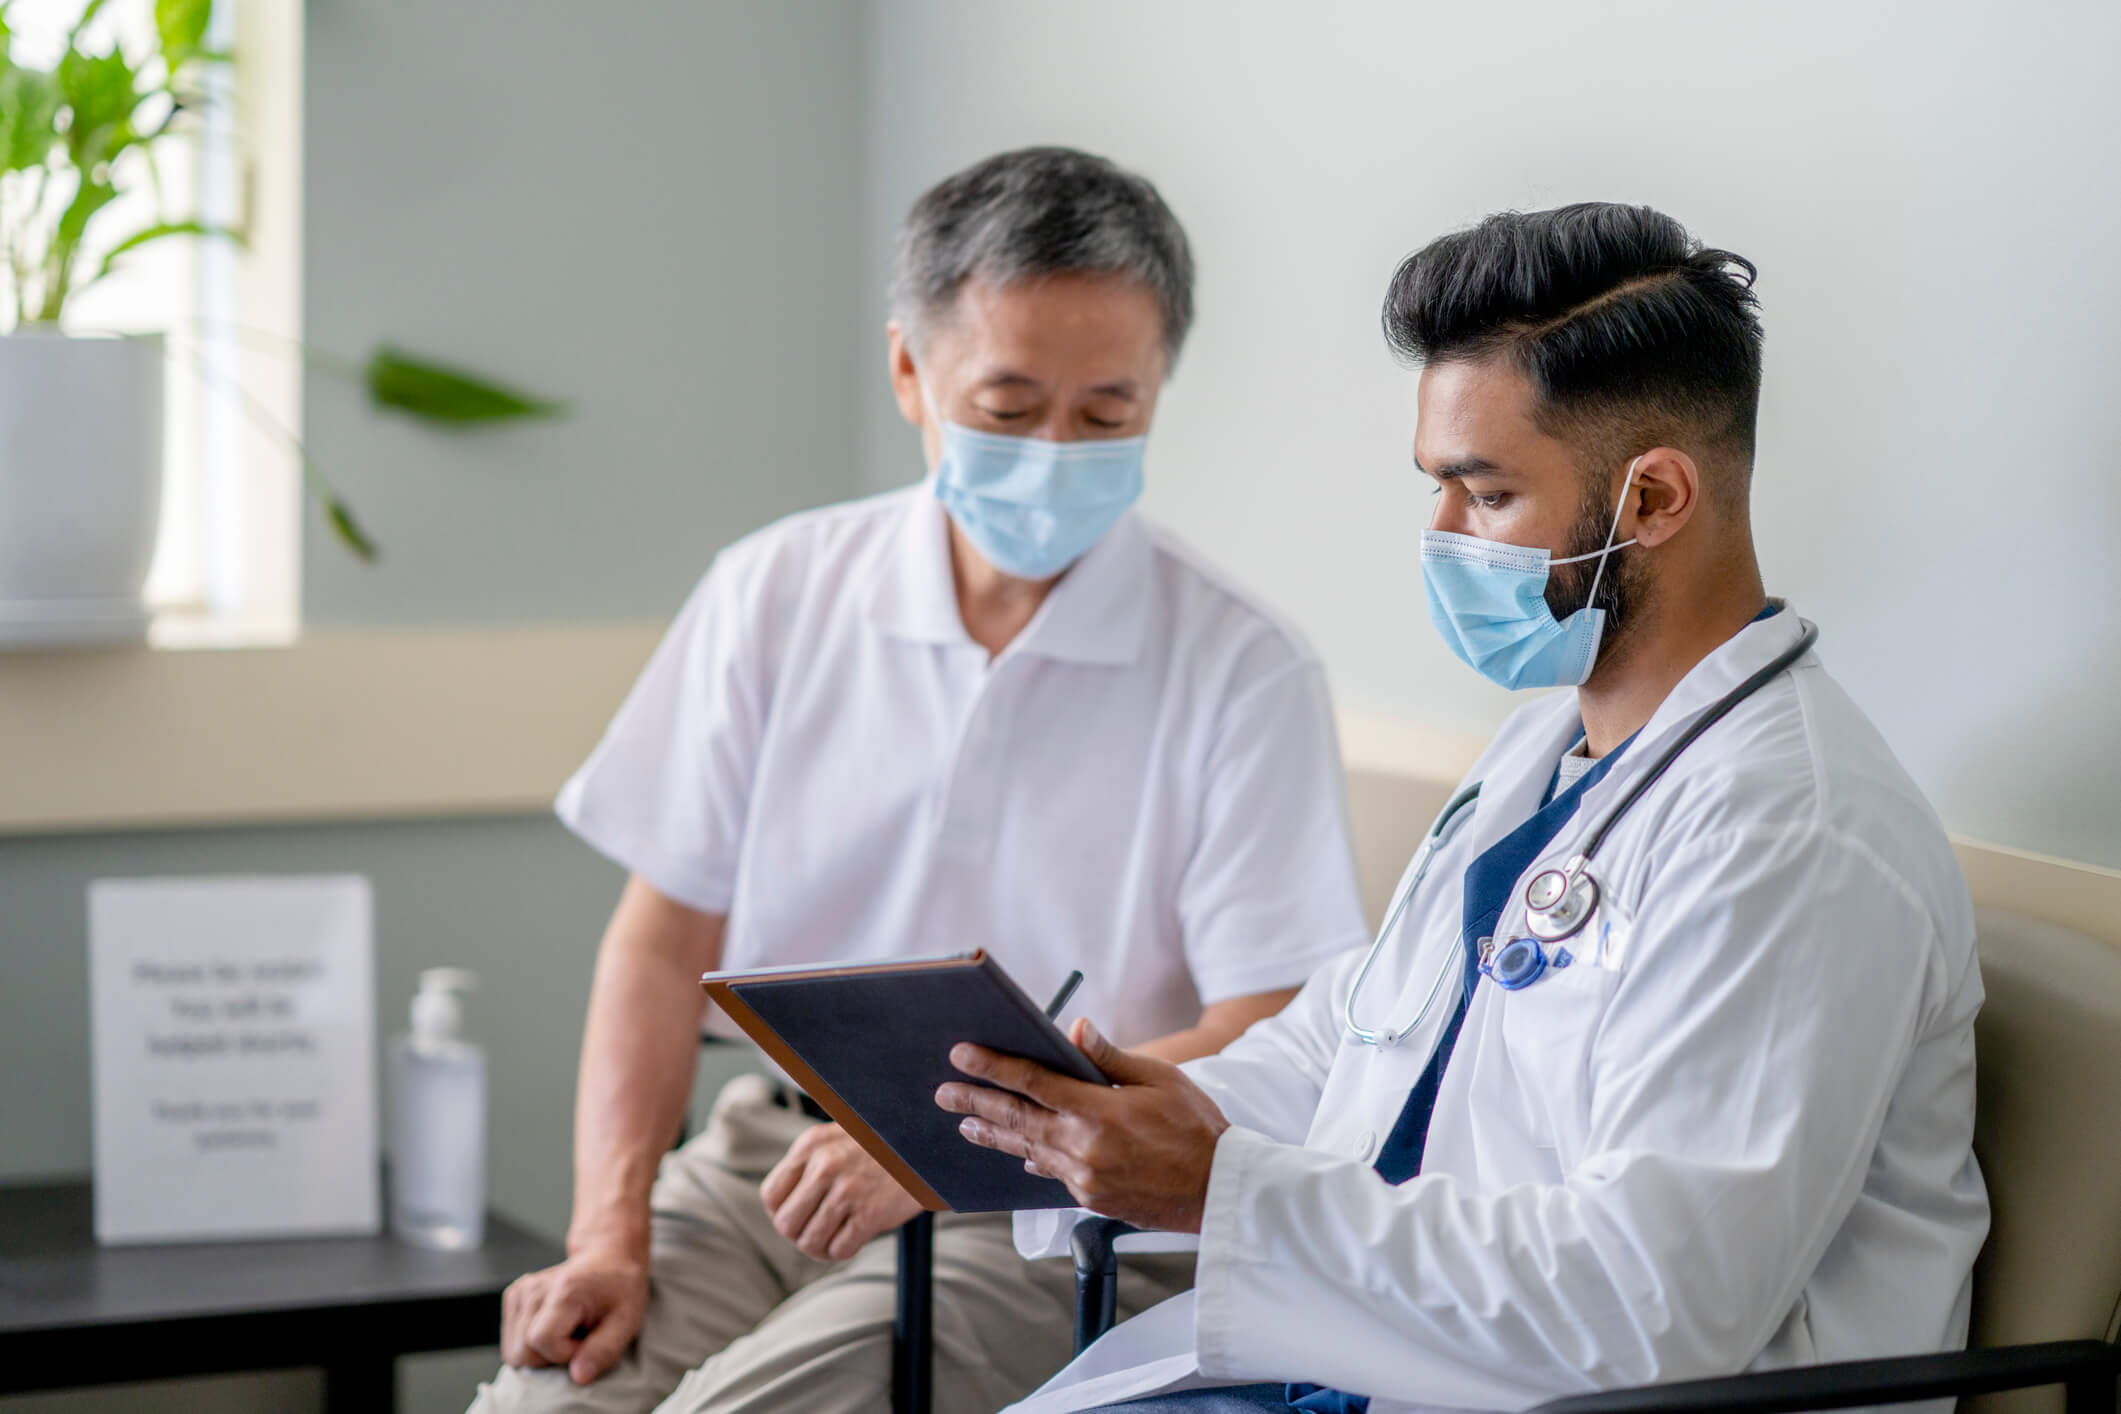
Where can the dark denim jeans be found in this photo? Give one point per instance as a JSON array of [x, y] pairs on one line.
[[1233, 1399]]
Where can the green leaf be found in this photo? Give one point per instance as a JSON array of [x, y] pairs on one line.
[[438, 393], [159, 231], [182, 26], [351, 535], [29, 111], [100, 99]]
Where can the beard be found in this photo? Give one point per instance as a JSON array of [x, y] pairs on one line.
[[1624, 589]]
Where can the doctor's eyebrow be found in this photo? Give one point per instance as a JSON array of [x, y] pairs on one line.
[[1464, 466]]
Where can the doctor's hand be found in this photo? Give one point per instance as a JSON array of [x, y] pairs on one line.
[[581, 1314], [828, 1197], [1139, 1150]]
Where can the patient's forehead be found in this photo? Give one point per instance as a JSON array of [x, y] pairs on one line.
[[1091, 328]]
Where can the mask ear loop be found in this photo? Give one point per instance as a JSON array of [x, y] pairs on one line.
[[928, 399], [1602, 555], [935, 416]]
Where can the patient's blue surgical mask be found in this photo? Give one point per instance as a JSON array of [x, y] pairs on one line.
[[1030, 506], [1489, 601]]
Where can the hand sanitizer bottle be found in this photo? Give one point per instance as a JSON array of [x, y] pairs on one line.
[[438, 1127]]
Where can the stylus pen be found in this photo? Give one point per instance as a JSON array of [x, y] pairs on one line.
[[1060, 998]]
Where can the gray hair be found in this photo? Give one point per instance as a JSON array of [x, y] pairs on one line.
[[1034, 212]]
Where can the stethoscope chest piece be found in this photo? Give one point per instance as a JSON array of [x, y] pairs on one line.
[[1558, 902], [1517, 964]]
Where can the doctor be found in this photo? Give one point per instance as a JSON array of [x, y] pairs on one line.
[[1710, 1111]]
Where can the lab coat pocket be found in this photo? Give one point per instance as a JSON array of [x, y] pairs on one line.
[[1547, 1029]]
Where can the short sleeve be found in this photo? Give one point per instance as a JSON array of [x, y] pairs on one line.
[[1269, 893], [666, 791]]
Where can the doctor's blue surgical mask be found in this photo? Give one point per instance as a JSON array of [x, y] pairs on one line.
[[1030, 506], [1489, 601]]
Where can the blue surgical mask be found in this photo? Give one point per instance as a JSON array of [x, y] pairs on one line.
[[1034, 507], [1489, 601]]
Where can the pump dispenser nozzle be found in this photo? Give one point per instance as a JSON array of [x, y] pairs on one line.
[[438, 1007]]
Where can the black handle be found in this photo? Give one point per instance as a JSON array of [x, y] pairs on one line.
[[2088, 1369], [1096, 1277]]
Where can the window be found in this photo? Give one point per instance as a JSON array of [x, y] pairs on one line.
[[227, 560]]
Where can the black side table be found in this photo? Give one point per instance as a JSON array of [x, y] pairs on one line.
[[73, 1313]]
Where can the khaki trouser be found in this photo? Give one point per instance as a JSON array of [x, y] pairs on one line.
[[740, 1322]]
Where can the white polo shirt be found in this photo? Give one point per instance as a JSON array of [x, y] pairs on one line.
[[1145, 784]]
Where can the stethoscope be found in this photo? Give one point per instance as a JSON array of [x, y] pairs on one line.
[[1558, 903]]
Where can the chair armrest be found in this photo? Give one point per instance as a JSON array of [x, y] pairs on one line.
[[1096, 1276], [2089, 1368]]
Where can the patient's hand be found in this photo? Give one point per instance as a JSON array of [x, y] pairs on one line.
[[581, 1314], [1140, 1149], [828, 1197]]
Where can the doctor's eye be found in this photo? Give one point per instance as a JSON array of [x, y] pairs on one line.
[[1005, 415], [1493, 500]]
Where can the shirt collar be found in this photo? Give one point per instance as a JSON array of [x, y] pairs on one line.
[[1096, 614], [1710, 680], [1514, 783]]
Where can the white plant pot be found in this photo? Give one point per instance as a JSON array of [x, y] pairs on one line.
[[80, 486]]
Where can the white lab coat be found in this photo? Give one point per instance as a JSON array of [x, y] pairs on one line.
[[1740, 1139]]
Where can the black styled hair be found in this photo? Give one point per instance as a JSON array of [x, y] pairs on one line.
[[1629, 330]]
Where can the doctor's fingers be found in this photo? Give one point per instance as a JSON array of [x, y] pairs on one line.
[[1050, 1088], [1001, 1109], [1042, 1159]]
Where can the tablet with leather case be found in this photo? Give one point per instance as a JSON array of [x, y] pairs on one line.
[[871, 1044]]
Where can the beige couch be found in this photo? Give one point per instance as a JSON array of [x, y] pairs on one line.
[[2049, 1126]]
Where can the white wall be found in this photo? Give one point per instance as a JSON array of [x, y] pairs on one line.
[[1928, 188], [645, 209]]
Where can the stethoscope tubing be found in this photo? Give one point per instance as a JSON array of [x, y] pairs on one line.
[[1429, 845], [1576, 867]]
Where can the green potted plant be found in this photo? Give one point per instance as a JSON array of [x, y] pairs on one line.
[[80, 412]]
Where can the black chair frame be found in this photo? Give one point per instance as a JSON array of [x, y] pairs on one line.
[[2088, 1370], [913, 1327]]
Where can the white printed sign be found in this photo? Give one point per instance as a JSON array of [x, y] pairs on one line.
[[234, 1034]]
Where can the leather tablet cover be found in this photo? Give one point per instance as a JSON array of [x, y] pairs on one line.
[[871, 1044]]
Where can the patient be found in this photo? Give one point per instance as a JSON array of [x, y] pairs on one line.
[[997, 709]]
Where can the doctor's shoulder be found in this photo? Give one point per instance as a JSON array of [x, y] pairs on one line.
[[1805, 797]]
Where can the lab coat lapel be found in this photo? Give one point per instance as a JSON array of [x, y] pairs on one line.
[[1520, 767], [1745, 653]]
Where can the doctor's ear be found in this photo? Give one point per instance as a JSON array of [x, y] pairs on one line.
[[1663, 497], [905, 378]]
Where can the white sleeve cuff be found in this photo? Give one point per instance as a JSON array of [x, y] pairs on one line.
[[1214, 1313], [1044, 1232]]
